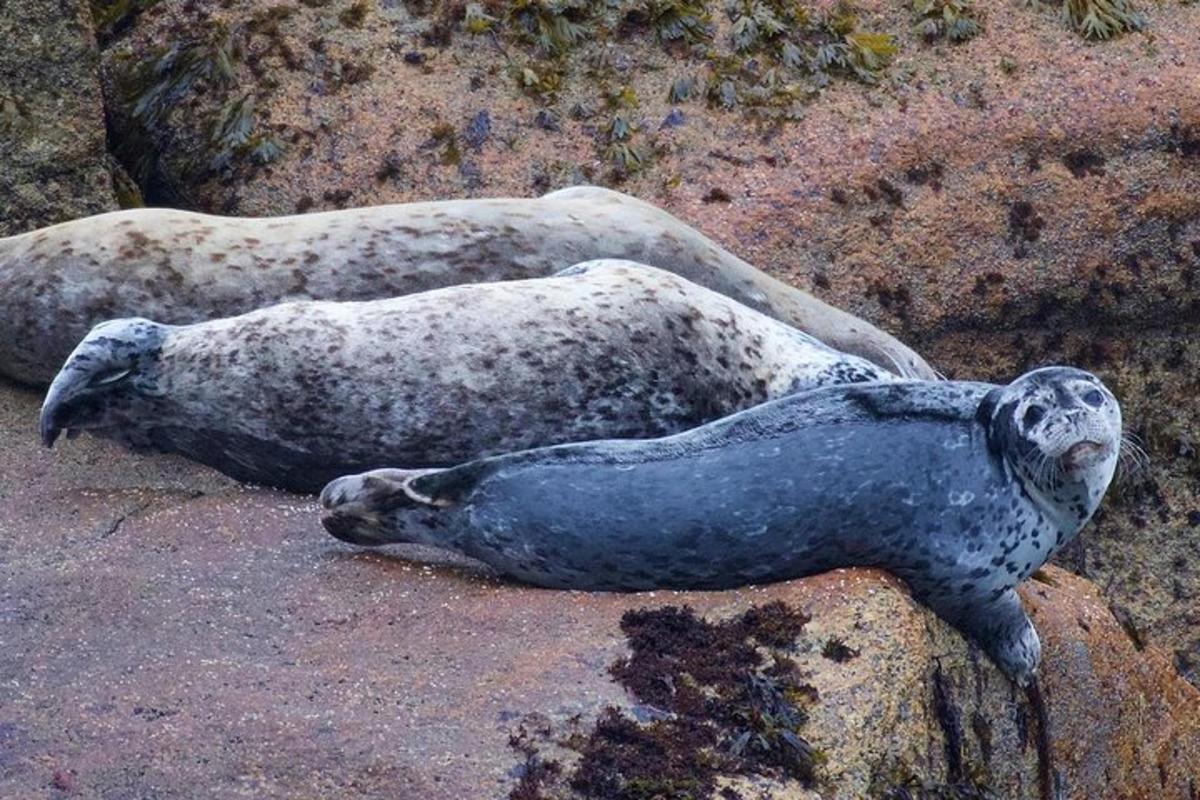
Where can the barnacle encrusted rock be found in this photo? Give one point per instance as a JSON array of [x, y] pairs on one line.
[[53, 163]]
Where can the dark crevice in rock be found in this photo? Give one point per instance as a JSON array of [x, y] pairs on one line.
[[1048, 777], [116, 524], [981, 726], [950, 720], [1125, 620], [1082, 163]]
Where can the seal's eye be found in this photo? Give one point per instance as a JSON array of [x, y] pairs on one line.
[[1094, 398], [1033, 415]]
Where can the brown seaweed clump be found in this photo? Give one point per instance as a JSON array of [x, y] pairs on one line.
[[715, 699]]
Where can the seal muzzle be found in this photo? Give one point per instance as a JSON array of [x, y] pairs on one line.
[[96, 373]]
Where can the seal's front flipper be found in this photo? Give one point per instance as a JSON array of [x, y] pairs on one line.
[[1004, 630]]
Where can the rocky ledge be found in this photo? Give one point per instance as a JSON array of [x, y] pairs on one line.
[[167, 633]]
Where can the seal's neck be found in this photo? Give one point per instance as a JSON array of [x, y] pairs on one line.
[[1068, 505], [1067, 508]]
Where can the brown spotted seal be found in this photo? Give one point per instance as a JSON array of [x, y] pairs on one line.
[[179, 267], [300, 393], [961, 489]]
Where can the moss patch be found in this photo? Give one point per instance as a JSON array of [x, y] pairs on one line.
[[955, 20], [760, 56]]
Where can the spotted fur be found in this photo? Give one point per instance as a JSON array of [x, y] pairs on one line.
[[179, 267], [295, 395], [945, 484]]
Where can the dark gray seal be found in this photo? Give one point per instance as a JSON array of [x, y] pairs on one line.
[[178, 267], [295, 395], [961, 489]]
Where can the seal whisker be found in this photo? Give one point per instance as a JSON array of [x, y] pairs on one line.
[[1132, 459]]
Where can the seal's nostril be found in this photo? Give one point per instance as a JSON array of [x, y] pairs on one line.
[[334, 493]]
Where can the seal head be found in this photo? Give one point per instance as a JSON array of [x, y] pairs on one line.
[[1059, 429], [114, 363]]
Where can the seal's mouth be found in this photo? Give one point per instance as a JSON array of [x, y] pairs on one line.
[[50, 430], [349, 527], [1082, 455]]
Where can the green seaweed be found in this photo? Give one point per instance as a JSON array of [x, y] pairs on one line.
[[444, 138], [847, 49], [1098, 19], [476, 21], [777, 54], [760, 24], [673, 21], [155, 92], [955, 20], [541, 79], [160, 83], [683, 89], [625, 155], [552, 26]]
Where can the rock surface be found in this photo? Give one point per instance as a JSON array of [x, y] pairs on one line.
[[1021, 198], [166, 633], [53, 162]]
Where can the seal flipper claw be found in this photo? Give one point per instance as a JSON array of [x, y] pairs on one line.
[[1005, 632]]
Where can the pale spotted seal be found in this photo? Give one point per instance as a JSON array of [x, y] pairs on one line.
[[178, 267], [298, 394], [962, 489]]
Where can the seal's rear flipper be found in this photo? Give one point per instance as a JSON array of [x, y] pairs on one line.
[[394, 505], [444, 488], [371, 508]]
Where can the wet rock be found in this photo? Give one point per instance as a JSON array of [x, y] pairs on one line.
[[1018, 199]]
